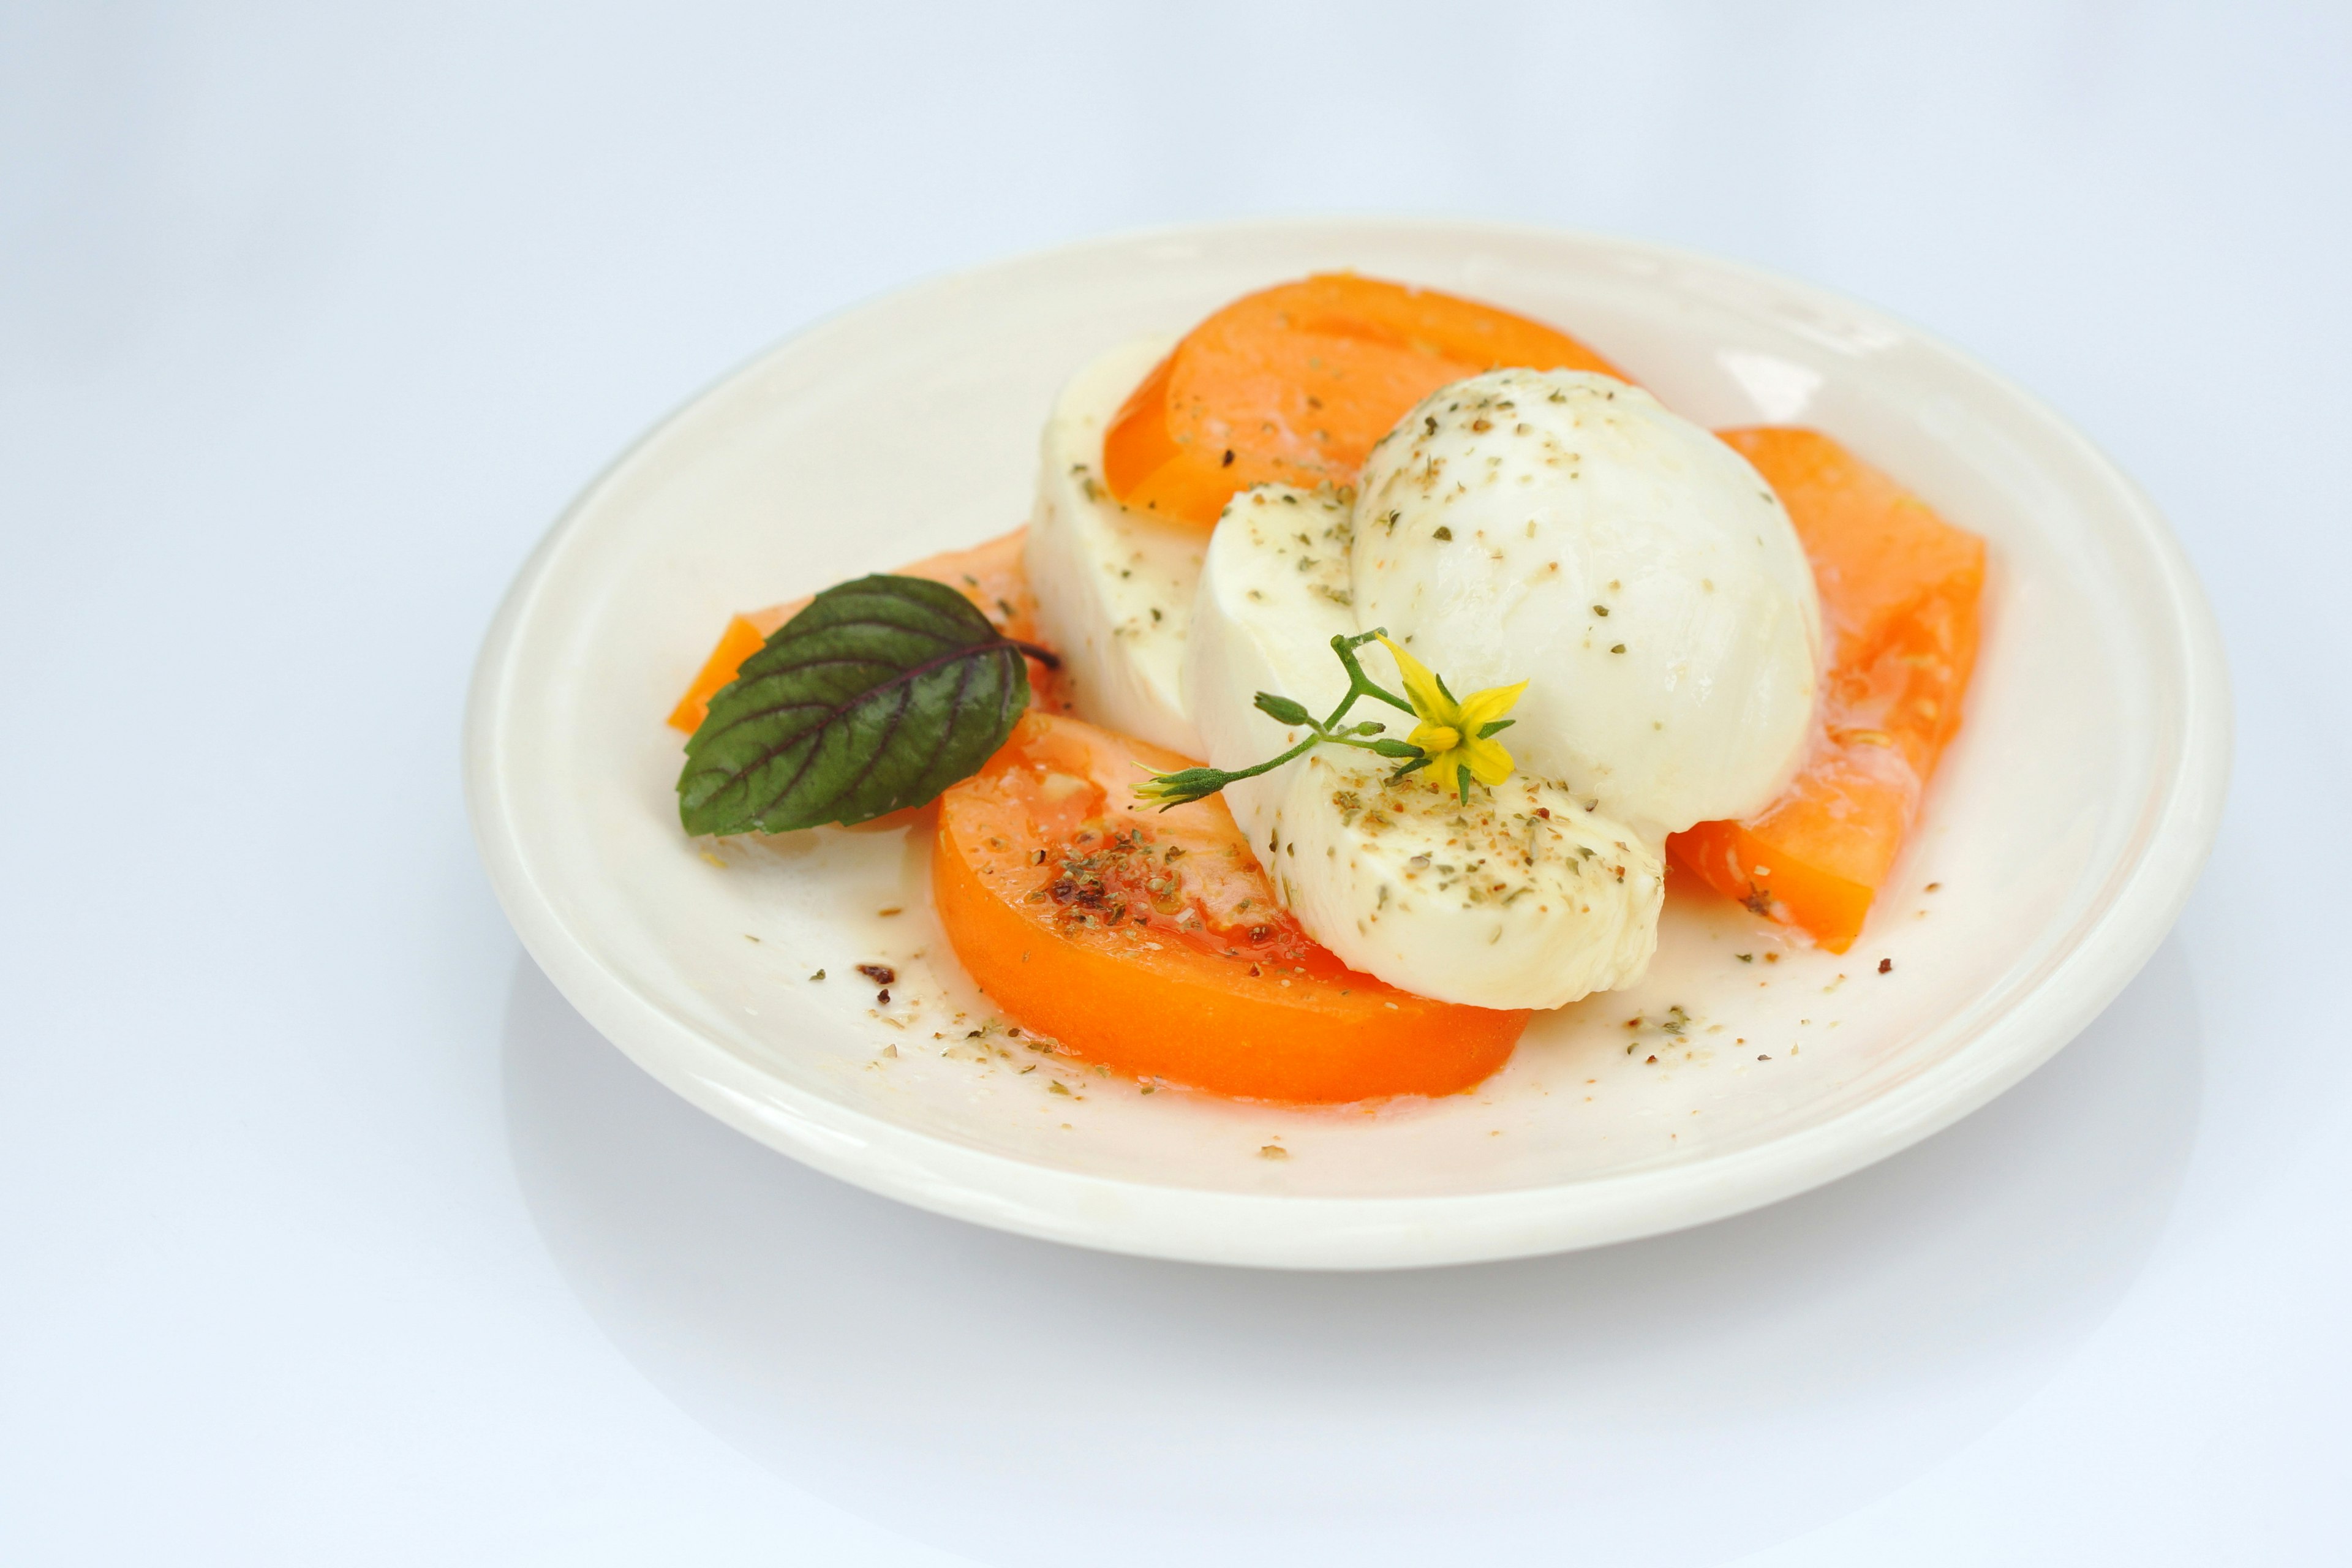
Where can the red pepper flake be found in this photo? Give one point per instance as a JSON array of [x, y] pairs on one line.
[[880, 973], [1886, 966]]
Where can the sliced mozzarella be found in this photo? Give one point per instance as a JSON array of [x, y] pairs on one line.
[[1114, 586], [1273, 595], [1522, 898], [1563, 528]]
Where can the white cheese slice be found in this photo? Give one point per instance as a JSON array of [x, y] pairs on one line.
[[1519, 897], [1114, 586], [1273, 595]]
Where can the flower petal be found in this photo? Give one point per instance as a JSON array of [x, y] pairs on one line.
[[1434, 738], [1421, 687], [1483, 707], [1490, 764]]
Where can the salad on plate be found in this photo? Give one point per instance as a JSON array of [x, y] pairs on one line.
[[1374, 668]]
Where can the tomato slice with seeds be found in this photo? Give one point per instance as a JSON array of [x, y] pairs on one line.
[[1151, 942]]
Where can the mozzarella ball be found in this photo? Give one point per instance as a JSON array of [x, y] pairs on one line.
[[1522, 898], [1563, 528]]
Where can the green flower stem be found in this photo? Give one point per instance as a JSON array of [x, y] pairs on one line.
[[1358, 683], [1271, 764], [1189, 784]]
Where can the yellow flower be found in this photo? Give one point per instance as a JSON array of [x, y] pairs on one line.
[[1455, 735]]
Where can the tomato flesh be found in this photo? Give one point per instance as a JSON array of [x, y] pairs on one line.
[[1295, 385], [1899, 590], [1152, 942]]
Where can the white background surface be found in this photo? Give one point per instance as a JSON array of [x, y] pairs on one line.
[[329, 1233]]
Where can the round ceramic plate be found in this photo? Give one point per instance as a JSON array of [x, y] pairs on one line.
[[2058, 842]]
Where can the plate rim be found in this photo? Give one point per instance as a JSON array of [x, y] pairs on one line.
[[1273, 1230]]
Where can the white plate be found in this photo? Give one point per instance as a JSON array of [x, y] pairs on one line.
[[2064, 830]]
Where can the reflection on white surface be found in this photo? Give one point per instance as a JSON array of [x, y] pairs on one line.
[[1025, 1403], [1782, 391]]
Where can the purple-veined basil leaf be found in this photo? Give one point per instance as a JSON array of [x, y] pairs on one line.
[[880, 694]]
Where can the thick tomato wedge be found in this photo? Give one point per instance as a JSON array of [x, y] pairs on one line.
[[991, 575], [1151, 942], [1899, 589], [1296, 384]]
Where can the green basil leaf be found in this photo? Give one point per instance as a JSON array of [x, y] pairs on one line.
[[880, 694]]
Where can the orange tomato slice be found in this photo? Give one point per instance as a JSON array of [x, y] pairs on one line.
[[1899, 590], [1153, 944], [1296, 384], [991, 575]]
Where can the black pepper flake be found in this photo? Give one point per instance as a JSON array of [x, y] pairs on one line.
[[1228, 460], [882, 997]]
